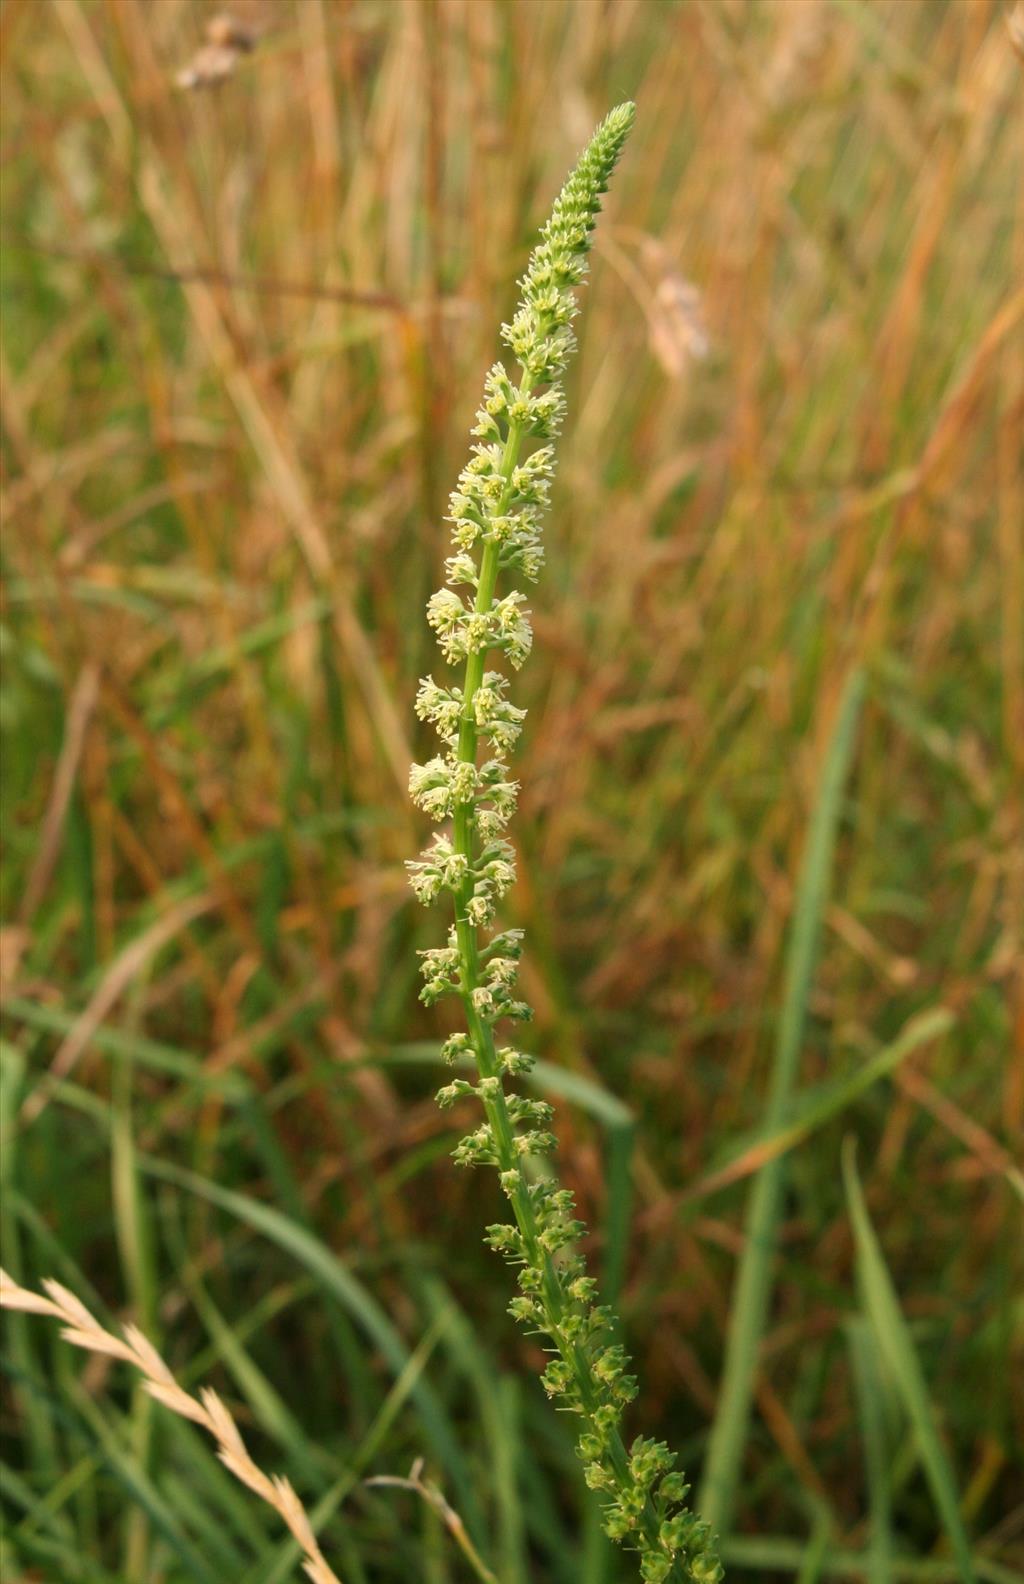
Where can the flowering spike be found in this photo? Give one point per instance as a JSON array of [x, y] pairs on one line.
[[496, 513]]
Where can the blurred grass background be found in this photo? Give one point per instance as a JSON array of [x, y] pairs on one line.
[[244, 330]]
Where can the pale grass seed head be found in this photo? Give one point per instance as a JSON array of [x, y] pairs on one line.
[[80, 1328]]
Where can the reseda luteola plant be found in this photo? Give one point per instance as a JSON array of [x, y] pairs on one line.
[[496, 514]]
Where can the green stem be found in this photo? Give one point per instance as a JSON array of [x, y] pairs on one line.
[[481, 1036]]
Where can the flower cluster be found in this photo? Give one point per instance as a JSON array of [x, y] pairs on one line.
[[495, 719], [463, 631], [496, 514], [477, 882]]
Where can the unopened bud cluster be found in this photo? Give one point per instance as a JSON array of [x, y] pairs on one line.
[[496, 514]]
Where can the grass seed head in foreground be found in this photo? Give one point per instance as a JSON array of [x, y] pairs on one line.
[[207, 1410], [496, 513]]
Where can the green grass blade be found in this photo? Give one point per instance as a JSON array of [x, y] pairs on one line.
[[154, 1055], [134, 1238], [777, 1555], [60, 1561], [753, 1284], [192, 1497], [41, 1514], [497, 1407], [812, 1568], [897, 1350], [872, 1418], [39, 1430], [822, 1103]]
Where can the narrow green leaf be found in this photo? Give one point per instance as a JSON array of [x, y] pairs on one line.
[[872, 1418], [897, 1349], [812, 1568], [152, 1054], [774, 1554], [822, 1103], [753, 1283]]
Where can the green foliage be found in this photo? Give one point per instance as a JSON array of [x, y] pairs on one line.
[[753, 1281], [896, 1348]]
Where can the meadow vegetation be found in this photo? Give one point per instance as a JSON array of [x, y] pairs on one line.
[[770, 837]]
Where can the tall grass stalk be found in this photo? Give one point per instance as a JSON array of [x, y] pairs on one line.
[[496, 512], [753, 1282]]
